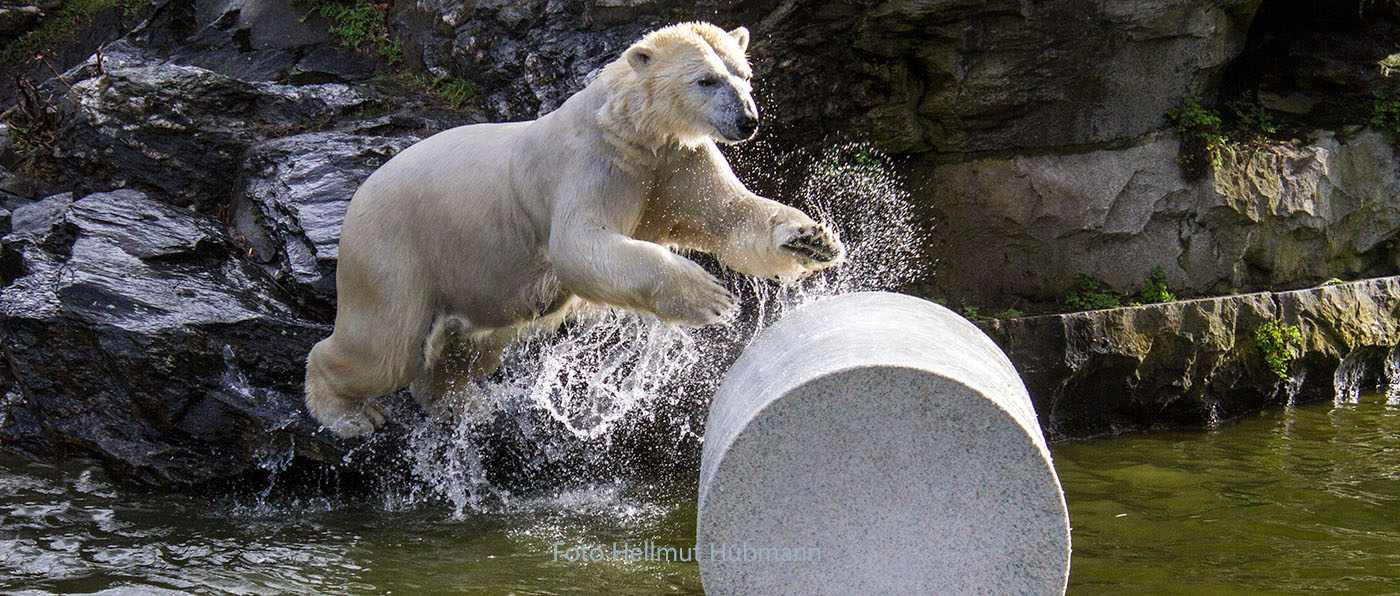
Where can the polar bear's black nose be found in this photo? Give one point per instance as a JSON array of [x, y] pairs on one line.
[[748, 125]]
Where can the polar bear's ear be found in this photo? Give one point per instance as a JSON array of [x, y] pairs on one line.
[[639, 56], [741, 35]]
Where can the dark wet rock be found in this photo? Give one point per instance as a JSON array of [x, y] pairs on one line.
[[264, 24], [179, 132], [16, 18], [332, 65], [1195, 363], [134, 337], [295, 192], [910, 76]]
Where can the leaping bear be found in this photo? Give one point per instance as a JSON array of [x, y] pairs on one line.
[[460, 242]]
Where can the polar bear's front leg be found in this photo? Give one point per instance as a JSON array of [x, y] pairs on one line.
[[764, 238], [808, 245], [609, 268]]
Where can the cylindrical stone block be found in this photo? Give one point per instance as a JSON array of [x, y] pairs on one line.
[[876, 443]]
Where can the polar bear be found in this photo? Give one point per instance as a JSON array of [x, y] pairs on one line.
[[453, 247]]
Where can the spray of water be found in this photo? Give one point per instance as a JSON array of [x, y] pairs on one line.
[[616, 396]]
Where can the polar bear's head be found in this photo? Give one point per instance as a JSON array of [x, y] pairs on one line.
[[697, 82]]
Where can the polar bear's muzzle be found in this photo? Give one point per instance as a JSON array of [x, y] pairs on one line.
[[738, 119]]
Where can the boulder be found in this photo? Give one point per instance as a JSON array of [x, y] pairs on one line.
[[132, 335], [295, 192], [179, 132]]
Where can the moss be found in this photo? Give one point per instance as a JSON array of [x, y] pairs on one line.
[[1278, 343]]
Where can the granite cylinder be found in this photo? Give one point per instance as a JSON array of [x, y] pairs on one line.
[[876, 443]]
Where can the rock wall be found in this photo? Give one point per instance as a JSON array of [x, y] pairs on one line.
[[1275, 216], [1196, 362]]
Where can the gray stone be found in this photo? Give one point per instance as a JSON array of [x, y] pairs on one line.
[[895, 437], [139, 339], [1196, 363], [1264, 217], [264, 24], [294, 194], [180, 132]]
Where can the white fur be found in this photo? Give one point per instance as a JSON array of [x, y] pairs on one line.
[[463, 240]]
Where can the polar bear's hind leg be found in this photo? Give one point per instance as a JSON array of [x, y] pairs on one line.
[[343, 377]]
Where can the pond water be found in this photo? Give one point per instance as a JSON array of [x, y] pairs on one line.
[[1298, 500]]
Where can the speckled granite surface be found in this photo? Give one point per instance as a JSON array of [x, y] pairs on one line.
[[876, 443]]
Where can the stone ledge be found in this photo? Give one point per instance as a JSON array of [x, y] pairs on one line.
[[1194, 363]]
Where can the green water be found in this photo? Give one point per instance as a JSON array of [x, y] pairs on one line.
[[1301, 500]]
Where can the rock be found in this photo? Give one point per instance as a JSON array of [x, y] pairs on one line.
[[179, 132], [16, 20], [134, 337], [1196, 363], [294, 194], [973, 76], [1267, 217], [332, 65]]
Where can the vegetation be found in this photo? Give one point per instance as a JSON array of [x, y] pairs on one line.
[[1385, 117], [969, 311], [33, 130], [1154, 289], [364, 25], [1010, 313], [63, 26], [33, 144], [1093, 294], [1251, 119], [1201, 133], [361, 25], [457, 90], [1277, 343]]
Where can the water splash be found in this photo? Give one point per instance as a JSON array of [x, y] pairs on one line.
[[1392, 376], [617, 395]]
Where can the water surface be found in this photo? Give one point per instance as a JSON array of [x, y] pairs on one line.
[[1299, 500]]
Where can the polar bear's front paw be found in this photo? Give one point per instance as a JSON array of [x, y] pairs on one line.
[[702, 300], [815, 245], [349, 422]]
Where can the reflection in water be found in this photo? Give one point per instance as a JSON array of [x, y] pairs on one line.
[[1300, 500]]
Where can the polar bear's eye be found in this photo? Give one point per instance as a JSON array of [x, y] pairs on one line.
[[707, 82]]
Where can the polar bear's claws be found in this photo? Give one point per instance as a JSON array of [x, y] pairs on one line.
[[817, 243]]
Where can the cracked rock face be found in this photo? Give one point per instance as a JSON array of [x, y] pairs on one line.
[[1195, 363], [296, 190], [1264, 218], [179, 131], [131, 333]]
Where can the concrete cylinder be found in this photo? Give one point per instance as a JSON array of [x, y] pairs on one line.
[[876, 443]]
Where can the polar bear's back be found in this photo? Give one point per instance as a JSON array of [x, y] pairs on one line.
[[440, 216]]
